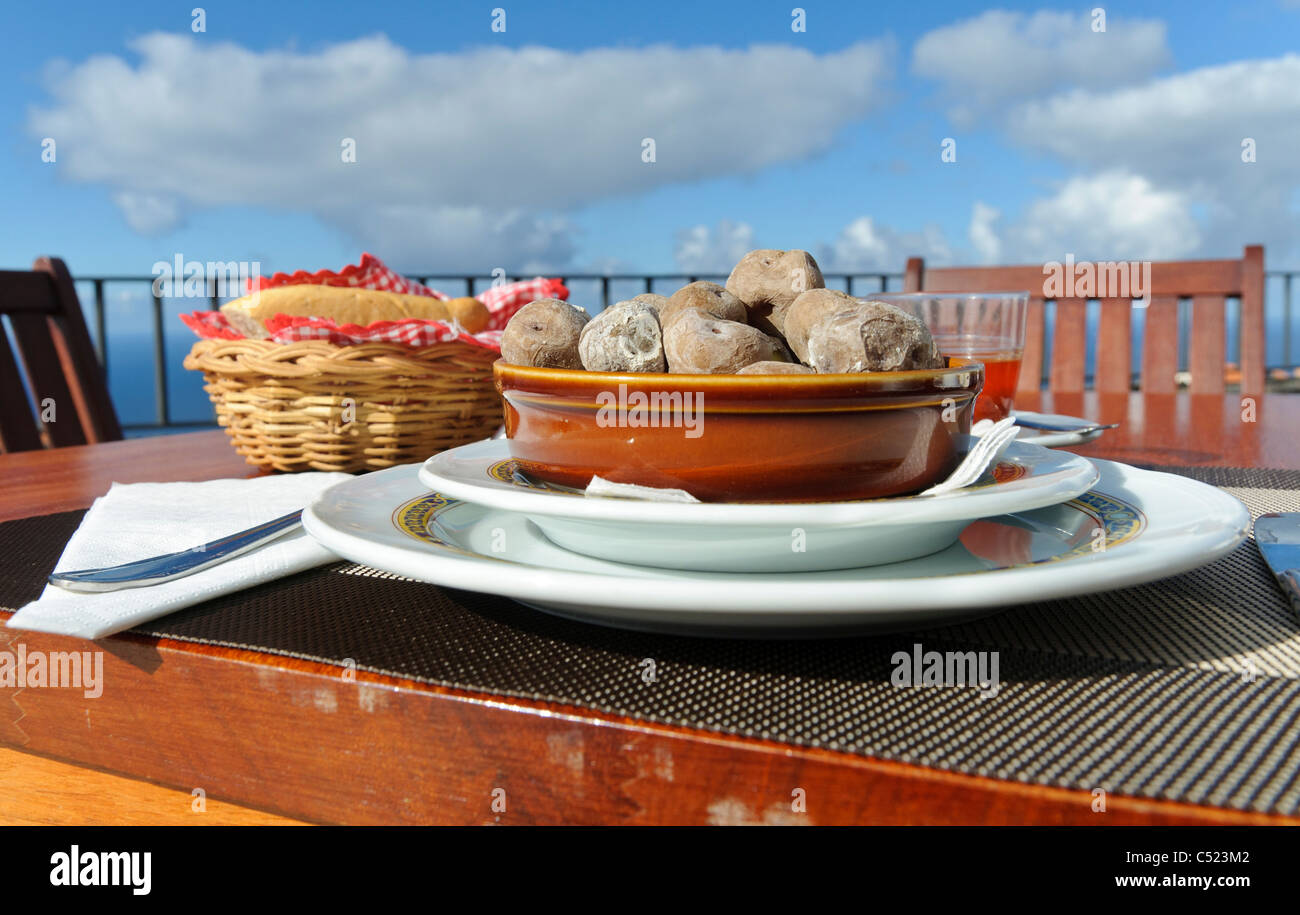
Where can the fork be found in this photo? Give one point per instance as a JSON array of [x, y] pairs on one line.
[[985, 451]]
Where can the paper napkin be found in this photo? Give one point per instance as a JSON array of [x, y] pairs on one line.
[[599, 487], [138, 520]]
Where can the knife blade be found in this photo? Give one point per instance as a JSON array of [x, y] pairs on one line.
[[156, 569], [1277, 534], [1052, 422]]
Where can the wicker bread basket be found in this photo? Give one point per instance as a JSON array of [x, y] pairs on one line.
[[314, 405]]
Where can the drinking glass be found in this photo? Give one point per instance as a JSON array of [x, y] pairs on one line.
[[987, 326]]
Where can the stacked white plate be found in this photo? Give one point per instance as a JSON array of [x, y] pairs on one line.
[[1041, 524]]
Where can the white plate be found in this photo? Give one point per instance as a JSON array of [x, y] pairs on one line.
[[1133, 526], [756, 537], [1054, 439]]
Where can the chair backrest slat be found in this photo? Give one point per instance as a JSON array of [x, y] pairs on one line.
[[980, 279], [1251, 321], [1206, 282], [1031, 366], [1114, 369], [26, 291], [45, 375], [81, 364], [17, 425], [1160, 345], [58, 359], [1069, 341], [1208, 346]]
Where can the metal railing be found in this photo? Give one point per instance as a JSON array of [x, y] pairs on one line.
[[602, 285]]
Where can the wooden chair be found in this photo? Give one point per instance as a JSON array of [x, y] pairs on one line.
[[58, 361], [1207, 283]]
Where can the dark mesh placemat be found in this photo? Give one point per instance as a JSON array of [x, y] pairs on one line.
[[1186, 689]]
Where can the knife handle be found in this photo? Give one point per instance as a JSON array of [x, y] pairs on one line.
[[1291, 577]]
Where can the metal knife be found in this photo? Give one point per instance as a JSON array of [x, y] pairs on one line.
[[157, 569], [1278, 537], [1049, 422]]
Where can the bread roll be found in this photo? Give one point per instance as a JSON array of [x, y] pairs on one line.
[[348, 305]]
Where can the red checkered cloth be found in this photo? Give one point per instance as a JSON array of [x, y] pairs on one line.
[[410, 332], [502, 301], [371, 273], [210, 325]]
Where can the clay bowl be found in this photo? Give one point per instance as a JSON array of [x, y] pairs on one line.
[[742, 438]]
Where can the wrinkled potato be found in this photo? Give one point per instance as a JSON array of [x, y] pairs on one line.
[[871, 337], [623, 338], [776, 368], [697, 344], [806, 311], [704, 297], [544, 333], [774, 317], [653, 299], [768, 280]]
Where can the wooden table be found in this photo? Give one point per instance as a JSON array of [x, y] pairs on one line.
[[276, 740]]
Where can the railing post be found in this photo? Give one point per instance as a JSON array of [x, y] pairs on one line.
[[159, 364], [604, 292], [101, 335], [1286, 321], [1184, 332]]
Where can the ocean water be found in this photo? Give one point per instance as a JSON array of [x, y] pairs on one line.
[[133, 387]]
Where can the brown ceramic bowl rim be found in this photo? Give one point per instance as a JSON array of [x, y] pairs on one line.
[[826, 382]]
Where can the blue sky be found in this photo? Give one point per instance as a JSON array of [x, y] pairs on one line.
[[879, 158]]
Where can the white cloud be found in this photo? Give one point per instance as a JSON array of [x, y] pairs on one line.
[[149, 214], [862, 246], [865, 246], [468, 239], [701, 250], [983, 232], [1186, 123], [1113, 215], [1000, 56], [513, 131], [1105, 216], [1185, 132], [1171, 146]]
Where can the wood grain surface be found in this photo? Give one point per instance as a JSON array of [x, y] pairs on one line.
[[295, 740], [36, 791]]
